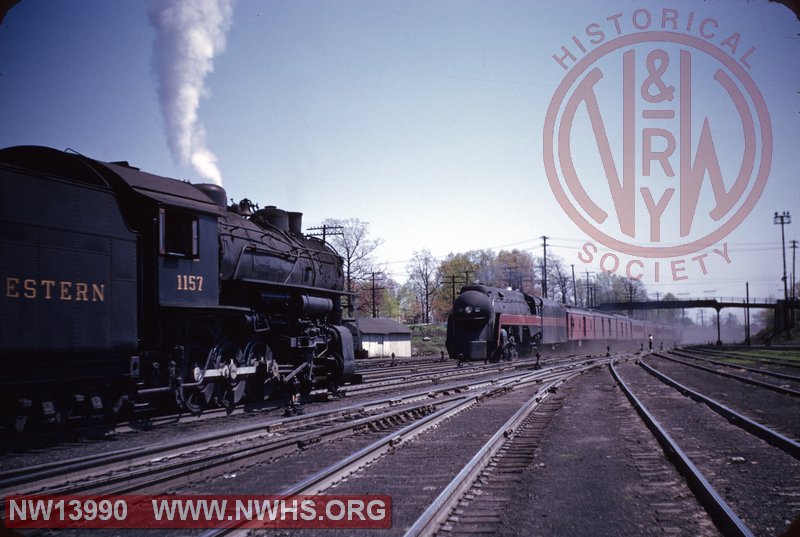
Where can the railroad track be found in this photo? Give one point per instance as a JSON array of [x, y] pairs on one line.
[[473, 500], [137, 466], [740, 477], [790, 381], [769, 410], [480, 499], [734, 355], [369, 431], [416, 447], [378, 380]]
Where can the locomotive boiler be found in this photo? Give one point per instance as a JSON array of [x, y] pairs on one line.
[[121, 286]]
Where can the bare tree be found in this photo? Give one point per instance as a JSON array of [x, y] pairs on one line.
[[423, 275], [557, 272], [355, 248], [408, 303]]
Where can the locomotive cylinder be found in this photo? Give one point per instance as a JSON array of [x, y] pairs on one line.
[[312, 306]]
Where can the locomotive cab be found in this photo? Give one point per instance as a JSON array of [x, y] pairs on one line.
[[188, 265]]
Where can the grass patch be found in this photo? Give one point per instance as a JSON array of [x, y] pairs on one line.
[[427, 339], [793, 356]]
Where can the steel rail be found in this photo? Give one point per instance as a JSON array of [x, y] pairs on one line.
[[64, 469], [440, 509], [741, 354], [765, 372], [324, 479], [327, 477], [42, 474], [740, 420], [722, 514], [435, 377], [436, 514], [58, 473]]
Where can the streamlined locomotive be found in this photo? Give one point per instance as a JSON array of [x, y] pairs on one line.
[[490, 323]]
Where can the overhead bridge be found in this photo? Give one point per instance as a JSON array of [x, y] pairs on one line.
[[685, 304], [691, 303]]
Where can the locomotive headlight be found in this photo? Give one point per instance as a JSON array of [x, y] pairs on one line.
[[468, 310], [198, 374]]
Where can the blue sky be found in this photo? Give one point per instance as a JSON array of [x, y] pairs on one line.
[[423, 118]]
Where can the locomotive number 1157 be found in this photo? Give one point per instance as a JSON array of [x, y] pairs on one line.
[[190, 283]]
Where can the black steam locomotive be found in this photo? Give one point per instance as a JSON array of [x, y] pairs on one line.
[[490, 323], [120, 287]]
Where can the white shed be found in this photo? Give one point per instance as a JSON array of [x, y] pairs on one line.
[[382, 337]]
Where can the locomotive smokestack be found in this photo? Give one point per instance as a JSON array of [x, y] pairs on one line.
[[295, 222], [215, 192], [188, 37]]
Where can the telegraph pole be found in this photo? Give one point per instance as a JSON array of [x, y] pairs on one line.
[[784, 219], [586, 304], [326, 230], [544, 268], [374, 301], [658, 312], [794, 265], [747, 313], [574, 287], [452, 279], [630, 298]]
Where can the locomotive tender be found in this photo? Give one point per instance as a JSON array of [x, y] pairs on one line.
[[489, 323], [120, 285]]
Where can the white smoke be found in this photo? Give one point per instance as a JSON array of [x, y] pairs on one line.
[[189, 35]]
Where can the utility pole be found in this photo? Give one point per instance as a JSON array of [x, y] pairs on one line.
[[747, 314], [782, 220], [513, 278], [544, 268], [586, 304], [794, 297], [374, 301], [630, 298], [658, 311], [326, 230], [574, 287], [452, 279]]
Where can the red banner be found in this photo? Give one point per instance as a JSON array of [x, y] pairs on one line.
[[199, 511]]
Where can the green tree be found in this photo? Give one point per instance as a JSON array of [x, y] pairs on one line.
[[517, 268]]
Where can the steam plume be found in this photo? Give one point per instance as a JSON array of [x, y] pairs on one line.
[[189, 34]]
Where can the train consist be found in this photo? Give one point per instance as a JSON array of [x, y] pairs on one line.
[[489, 323], [120, 287]]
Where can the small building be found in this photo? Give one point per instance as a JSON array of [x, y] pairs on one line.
[[382, 337]]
